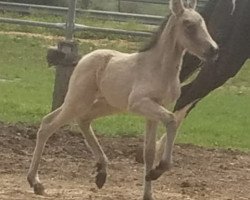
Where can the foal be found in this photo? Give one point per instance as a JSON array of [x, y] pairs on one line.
[[106, 82]]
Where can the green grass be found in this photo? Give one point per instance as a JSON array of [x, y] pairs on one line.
[[26, 82], [26, 85], [25, 79], [221, 119]]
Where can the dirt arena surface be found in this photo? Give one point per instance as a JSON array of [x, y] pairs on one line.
[[67, 166]]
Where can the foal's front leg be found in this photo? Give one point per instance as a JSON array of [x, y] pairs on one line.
[[166, 160], [152, 110], [149, 156]]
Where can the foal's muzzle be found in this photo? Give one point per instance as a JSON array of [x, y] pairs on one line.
[[212, 53]]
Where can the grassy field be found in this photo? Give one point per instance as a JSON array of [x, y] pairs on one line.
[[26, 85]]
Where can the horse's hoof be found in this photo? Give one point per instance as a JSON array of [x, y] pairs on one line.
[[39, 189], [100, 179]]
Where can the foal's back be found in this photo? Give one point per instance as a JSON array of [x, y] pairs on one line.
[[106, 71]]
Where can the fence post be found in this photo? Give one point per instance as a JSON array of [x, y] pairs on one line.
[[64, 58], [119, 5]]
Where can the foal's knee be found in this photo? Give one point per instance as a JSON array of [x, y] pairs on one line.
[[171, 120]]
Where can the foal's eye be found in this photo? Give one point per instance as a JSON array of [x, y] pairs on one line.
[[190, 27]]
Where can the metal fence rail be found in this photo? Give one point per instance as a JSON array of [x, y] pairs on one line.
[[30, 8], [149, 1], [109, 15], [159, 1], [54, 10], [33, 23]]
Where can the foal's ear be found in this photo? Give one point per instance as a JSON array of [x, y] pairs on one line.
[[192, 4], [176, 6]]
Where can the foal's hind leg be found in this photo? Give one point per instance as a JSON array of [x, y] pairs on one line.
[[99, 109], [46, 129], [49, 125], [97, 151], [79, 99]]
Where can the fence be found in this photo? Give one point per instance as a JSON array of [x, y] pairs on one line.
[[117, 16], [161, 2], [66, 53]]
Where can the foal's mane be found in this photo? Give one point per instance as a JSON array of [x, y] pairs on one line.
[[205, 12], [156, 35]]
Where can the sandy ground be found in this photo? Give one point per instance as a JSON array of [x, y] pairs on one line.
[[67, 169]]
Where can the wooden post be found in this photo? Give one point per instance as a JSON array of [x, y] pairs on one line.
[[119, 5], [64, 58], [64, 70]]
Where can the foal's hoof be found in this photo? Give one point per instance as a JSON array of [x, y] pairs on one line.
[[39, 189], [101, 176], [148, 198], [100, 179], [154, 174]]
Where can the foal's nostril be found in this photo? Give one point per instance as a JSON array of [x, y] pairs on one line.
[[213, 51]]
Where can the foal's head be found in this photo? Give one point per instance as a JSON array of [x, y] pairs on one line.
[[191, 31]]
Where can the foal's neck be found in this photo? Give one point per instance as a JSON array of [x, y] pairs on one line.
[[168, 51]]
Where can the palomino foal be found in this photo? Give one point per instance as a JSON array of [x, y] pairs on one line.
[[106, 82]]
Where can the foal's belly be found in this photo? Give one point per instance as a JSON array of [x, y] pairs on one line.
[[116, 92], [117, 89], [116, 85]]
